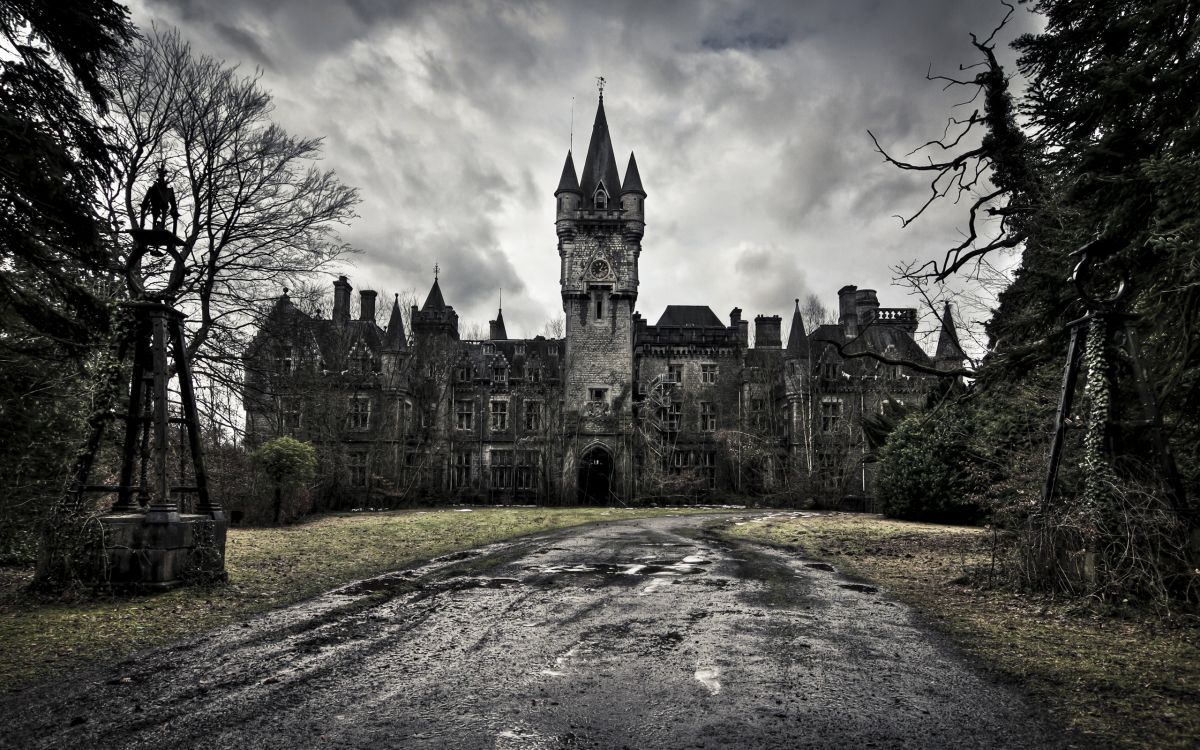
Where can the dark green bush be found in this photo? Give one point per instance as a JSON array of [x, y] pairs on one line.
[[927, 469]]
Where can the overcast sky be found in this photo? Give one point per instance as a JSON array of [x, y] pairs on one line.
[[749, 120]]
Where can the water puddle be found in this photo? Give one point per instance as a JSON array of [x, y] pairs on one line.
[[709, 677], [862, 587], [649, 567]]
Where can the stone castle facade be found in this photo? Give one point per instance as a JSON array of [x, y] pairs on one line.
[[618, 410]]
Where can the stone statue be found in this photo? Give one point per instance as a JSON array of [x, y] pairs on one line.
[[159, 200]]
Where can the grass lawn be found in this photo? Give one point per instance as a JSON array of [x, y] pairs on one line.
[[1128, 680], [268, 568]]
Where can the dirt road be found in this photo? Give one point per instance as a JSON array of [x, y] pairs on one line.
[[638, 634]]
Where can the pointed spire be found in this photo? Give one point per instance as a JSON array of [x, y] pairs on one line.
[[633, 180], [568, 182], [948, 347], [395, 340], [797, 345], [600, 166], [434, 301]]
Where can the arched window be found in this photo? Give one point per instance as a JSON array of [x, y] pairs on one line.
[[600, 199]]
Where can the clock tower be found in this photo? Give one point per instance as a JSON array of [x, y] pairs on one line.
[[600, 221]]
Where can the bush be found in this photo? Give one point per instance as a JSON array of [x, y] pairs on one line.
[[289, 464], [926, 470]]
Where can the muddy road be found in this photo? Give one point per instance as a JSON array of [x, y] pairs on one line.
[[638, 634]]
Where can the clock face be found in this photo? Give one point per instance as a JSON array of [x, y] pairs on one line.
[[599, 268]]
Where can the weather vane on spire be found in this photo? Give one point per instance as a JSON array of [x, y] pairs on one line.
[[435, 271], [600, 85]]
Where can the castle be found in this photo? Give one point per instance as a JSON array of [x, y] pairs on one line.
[[618, 410]]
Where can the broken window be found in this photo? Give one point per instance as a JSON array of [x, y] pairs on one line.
[[499, 416], [465, 414], [831, 413], [708, 416], [360, 413]]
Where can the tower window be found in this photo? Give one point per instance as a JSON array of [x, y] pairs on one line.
[[601, 200], [599, 305]]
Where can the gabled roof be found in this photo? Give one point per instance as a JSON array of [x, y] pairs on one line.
[[633, 180], [600, 164], [568, 182], [874, 338], [689, 316], [395, 340], [797, 344], [434, 301], [948, 346]]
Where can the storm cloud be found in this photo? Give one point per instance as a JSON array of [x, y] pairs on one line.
[[749, 122]]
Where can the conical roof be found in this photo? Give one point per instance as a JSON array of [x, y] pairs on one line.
[[797, 345], [948, 347], [497, 331], [434, 301], [568, 182], [395, 340], [633, 180], [600, 164]]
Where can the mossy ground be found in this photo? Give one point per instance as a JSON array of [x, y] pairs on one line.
[[1126, 679], [268, 568]]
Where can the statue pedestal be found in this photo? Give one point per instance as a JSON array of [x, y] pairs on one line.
[[144, 552]]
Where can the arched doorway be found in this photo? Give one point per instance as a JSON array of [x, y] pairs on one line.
[[595, 476]]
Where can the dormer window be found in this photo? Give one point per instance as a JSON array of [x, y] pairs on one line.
[[600, 199]]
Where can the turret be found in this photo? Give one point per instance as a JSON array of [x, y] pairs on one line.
[[496, 330], [633, 199], [949, 355], [569, 198], [797, 343]]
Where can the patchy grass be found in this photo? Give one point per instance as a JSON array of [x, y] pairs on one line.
[[268, 568], [1125, 680]]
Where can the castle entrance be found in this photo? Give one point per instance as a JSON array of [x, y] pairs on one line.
[[595, 476]]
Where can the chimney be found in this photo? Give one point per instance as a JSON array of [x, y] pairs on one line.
[[848, 310], [767, 332], [366, 305], [341, 300], [742, 326], [866, 303]]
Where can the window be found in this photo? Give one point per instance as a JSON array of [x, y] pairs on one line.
[[535, 375], [829, 370], [708, 374], [406, 412], [285, 363], [533, 416], [598, 394], [360, 361], [427, 416], [462, 469], [360, 413], [527, 463], [674, 374], [356, 467], [831, 413], [499, 416], [758, 412], [708, 416], [500, 374], [464, 414], [289, 414], [462, 374], [708, 465], [601, 197], [670, 414], [489, 348], [598, 298], [520, 350], [502, 469]]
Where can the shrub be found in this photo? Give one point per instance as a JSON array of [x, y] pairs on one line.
[[925, 469], [288, 463]]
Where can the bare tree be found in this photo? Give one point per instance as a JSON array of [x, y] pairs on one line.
[[256, 213]]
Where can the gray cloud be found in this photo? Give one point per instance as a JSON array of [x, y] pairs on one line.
[[749, 121]]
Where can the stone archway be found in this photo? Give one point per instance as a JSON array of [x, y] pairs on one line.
[[595, 476]]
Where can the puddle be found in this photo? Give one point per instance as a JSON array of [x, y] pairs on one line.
[[859, 587], [651, 567], [820, 566], [709, 677]]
